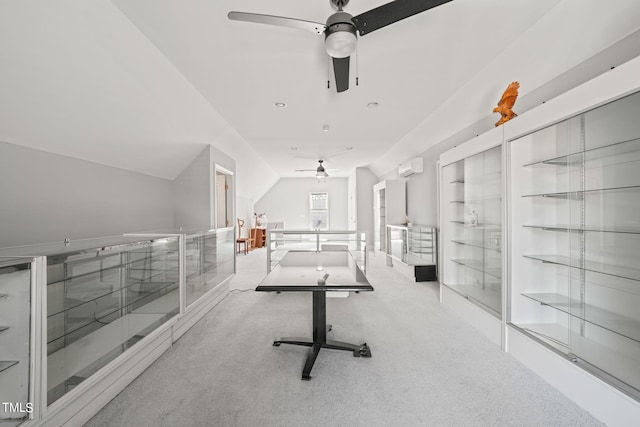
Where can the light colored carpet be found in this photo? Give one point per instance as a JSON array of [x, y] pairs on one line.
[[429, 367]]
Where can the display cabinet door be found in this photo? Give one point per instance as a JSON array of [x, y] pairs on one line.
[[575, 256]]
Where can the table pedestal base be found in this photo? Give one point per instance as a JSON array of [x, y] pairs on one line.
[[320, 337]]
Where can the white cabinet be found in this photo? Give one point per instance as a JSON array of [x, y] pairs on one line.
[[575, 253], [471, 212], [389, 207], [413, 249]]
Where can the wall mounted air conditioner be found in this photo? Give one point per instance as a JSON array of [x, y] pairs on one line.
[[410, 167]]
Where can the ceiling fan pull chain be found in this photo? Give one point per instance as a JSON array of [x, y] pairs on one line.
[[357, 78], [328, 72]]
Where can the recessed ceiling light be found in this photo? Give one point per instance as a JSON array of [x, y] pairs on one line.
[[372, 105], [280, 104], [349, 148], [293, 148]]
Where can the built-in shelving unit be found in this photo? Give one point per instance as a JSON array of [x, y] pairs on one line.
[[389, 207], [471, 189], [575, 190]]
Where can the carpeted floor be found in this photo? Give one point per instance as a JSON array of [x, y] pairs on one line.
[[428, 366]]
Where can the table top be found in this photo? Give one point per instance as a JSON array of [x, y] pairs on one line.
[[315, 272]]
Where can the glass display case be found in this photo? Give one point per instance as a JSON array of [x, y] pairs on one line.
[[471, 206], [77, 312], [209, 260], [279, 242], [101, 301], [397, 243], [416, 247], [575, 275], [102, 297], [15, 340]]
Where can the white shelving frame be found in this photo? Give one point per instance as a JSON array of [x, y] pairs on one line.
[[551, 237]]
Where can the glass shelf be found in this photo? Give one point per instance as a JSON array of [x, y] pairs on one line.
[[478, 244], [587, 228], [6, 364], [108, 316], [593, 266], [3, 296], [484, 199], [624, 326], [579, 195], [4, 328], [576, 159], [98, 270], [479, 266], [89, 296]]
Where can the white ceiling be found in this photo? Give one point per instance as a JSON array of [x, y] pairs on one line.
[[145, 84]]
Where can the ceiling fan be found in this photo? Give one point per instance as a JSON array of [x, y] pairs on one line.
[[341, 28], [320, 171]]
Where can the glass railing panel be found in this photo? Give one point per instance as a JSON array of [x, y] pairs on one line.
[[280, 242]]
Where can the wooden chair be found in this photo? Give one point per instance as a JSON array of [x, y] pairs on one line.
[[246, 241]]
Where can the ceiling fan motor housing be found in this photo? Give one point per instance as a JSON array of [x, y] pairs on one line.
[[340, 35]]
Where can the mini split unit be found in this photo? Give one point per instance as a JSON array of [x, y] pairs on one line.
[[410, 167]]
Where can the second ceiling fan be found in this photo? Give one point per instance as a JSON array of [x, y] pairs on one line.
[[340, 31]]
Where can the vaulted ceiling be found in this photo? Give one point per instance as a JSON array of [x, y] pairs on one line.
[[144, 84]]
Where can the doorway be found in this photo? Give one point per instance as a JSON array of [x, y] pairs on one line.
[[223, 198]]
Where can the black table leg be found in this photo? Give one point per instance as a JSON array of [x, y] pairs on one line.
[[311, 359], [319, 341]]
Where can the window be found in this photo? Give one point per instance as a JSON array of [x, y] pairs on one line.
[[319, 211]]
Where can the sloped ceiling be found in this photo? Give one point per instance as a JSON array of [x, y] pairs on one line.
[[145, 84]]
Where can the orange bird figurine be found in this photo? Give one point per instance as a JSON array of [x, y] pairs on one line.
[[506, 103]]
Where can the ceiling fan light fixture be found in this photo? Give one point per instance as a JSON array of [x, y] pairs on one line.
[[320, 172], [340, 36], [341, 44], [322, 175]]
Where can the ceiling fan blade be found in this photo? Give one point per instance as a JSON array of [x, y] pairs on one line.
[[280, 21], [341, 71], [389, 13]]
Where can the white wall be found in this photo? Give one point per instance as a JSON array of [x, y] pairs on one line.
[[422, 189], [47, 197], [288, 201], [191, 193]]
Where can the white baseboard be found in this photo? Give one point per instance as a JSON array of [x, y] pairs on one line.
[[602, 400], [486, 323]]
